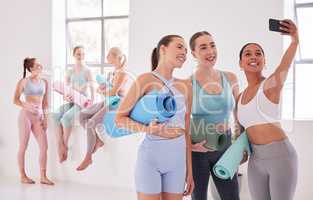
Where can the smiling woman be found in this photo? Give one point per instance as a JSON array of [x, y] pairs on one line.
[[166, 144], [32, 117]]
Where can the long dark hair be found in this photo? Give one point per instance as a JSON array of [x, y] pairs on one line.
[[155, 56], [244, 46], [192, 41], [28, 63]]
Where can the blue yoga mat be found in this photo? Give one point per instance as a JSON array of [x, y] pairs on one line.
[[152, 106], [101, 80], [227, 165]]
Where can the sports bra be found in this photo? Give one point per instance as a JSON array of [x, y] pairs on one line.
[[34, 89], [259, 110]]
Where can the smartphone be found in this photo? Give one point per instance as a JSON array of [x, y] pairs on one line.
[[274, 25]]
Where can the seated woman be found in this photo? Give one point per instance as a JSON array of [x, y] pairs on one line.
[[79, 78], [91, 117]]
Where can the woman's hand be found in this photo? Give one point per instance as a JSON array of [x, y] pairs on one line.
[[68, 98], [155, 128], [244, 157], [190, 185], [159, 129], [291, 30], [198, 147], [31, 108]]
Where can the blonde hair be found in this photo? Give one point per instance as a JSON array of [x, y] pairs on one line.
[[119, 54]]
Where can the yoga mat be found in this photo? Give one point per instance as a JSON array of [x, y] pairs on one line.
[[201, 130], [227, 165], [101, 80], [152, 106], [112, 101], [64, 90]]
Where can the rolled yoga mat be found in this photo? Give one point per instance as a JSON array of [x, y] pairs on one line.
[[112, 101], [201, 130], [64, 90], [103, 81], [153, 105], [227, 165]]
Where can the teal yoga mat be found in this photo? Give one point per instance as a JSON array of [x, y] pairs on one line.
[[228, 164], [201, 129], [152, 106], [103, 81], [112, 101]]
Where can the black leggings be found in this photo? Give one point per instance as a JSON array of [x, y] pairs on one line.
[[202, 167]]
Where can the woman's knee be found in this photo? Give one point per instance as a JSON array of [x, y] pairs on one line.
[[67, 120]]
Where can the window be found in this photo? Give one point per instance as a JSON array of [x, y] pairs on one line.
[[297, 98], [97, 25]]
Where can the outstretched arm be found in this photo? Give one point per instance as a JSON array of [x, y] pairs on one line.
[[275, 82]]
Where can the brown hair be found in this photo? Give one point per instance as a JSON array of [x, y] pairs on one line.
[[156, 51], [244, 46], [192, 41], [28, 63], [76, 48]]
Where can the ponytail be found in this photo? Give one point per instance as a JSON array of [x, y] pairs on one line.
[[24, 72], [155, 56], [28, 63], [154, 59], [123, 57]]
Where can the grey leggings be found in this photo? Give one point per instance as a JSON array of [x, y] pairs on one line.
[[91, 118], [272, 171]]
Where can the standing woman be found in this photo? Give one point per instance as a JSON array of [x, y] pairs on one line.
[[164, 157], [79, 78], [214, 93], [90, 118], [32, 117], [272, 168]]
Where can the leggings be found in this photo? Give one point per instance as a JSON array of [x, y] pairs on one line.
[[65, 114], [272, 171], [30, 122], [91, 118], [202, 167]]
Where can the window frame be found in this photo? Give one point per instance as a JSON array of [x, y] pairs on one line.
[[102, 65], [299, 60]]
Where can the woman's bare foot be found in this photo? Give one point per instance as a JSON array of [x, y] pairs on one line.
[[98, 145], [86, 162], [46, 181], [63, 154], [27, 180]]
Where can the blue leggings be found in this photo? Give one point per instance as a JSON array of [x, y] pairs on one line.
[[65, 114], [161, 166]]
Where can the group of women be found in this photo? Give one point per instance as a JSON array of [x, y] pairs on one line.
[[169, 164]]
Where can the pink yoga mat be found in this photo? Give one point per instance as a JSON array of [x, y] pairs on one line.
[[64, 90]]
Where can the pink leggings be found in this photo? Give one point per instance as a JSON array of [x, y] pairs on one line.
[[30, 122]]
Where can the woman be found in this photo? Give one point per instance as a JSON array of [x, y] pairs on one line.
[[79, 78], [272, 168], [214, 92], [92, 117], [33, 117], [164, 157]]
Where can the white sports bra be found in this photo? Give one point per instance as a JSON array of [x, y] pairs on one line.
[[259, 110]]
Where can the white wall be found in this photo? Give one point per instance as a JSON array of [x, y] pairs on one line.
[[232, 23], [26, 30]]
